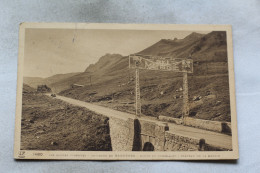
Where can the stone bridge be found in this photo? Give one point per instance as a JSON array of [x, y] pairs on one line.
[[136, 135], [144, 135]]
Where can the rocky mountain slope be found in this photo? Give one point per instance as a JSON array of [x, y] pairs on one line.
[[111, 83]]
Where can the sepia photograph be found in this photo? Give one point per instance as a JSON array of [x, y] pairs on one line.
[[125, 92]]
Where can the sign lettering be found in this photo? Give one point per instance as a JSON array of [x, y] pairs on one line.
[[161, 63]]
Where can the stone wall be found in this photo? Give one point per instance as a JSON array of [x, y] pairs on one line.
[[217, 126], [174, 142], [122, 134], [142, 135], [136, 135], [153, 134]]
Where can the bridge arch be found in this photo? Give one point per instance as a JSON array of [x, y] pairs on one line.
[[148, 146]]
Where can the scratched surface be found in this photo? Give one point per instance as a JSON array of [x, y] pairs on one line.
[[244, 16]]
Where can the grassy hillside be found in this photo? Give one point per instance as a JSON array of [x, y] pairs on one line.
[[111, 83]]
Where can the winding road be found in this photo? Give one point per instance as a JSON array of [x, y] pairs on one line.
[[212, 138]]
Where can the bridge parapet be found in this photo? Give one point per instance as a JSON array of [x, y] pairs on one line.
[[175, 142], [136, 135], [144, 135]]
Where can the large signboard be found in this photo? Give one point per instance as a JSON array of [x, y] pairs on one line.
[[161, 63]]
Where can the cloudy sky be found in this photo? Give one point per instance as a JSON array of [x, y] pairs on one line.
[[56, 51]]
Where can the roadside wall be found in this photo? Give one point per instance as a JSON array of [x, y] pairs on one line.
[[217, 126], [174, 142]]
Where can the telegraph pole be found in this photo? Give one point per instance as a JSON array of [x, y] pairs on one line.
[[185, 111], [137, 94]]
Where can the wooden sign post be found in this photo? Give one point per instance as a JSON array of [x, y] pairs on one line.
[[185, 111], [162, 64], [137, 94]]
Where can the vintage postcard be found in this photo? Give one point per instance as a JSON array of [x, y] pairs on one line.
[[125, 92]]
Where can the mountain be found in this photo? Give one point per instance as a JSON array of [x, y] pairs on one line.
[[111, 83], [203, 47], [35, 81], [208, 52], [179, 48], [105, 63]]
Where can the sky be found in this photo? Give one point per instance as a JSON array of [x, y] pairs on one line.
[[59, 51]]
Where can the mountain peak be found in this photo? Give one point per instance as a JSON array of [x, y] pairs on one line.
[[193, 36], [111, 54], [104, 61]]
